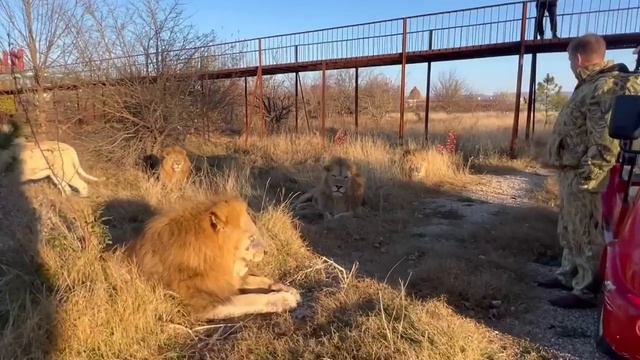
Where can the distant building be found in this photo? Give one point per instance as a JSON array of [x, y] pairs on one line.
[[415, 97]]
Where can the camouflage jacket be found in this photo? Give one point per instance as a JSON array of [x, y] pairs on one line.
[[580, 137]]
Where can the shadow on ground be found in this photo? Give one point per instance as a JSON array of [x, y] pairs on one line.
[[28, 304]]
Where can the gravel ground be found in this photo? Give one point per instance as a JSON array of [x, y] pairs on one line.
[[566, 334]]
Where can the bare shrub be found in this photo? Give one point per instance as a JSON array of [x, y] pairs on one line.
[[341, 92], [146, 114], [43, 27], [277, 102], [378, 97], [449, 91]]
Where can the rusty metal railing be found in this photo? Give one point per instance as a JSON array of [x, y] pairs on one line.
[[451, 30]]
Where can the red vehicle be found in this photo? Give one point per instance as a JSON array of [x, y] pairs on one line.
[[619, 330]]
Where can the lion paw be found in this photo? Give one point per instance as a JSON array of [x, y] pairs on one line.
[[283, 301], [282, 287]]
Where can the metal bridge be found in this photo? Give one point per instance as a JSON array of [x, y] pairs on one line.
[[479, 32]]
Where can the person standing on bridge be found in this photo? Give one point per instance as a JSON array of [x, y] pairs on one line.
[[551, 7], [637, 53], [582, 151]]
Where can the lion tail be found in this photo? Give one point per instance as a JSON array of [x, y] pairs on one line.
[[87, 176]]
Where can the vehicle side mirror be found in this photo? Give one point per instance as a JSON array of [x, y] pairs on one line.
[[625, 118]]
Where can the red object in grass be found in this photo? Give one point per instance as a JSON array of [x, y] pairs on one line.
[[340, 138], [619, 330], [451, 145]]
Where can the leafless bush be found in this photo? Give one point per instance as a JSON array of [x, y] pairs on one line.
[[378, 97], [277, 102], [341, 92], [43, 28], [171, 101], [449, 91]]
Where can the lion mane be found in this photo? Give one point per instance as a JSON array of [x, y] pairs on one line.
[[340, 192], [412, 163], [175, 166], [201, 252]]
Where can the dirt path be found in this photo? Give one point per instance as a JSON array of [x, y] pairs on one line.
[[568, 334], [473, 248]]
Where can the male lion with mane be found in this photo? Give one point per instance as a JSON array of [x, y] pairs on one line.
[[340, 193], [412, 163], [201, 253], [175, 166]]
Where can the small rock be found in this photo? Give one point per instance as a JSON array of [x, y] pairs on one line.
[[377, 245], [384, 250]]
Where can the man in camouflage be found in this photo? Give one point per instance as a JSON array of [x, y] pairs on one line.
[[582, 151]]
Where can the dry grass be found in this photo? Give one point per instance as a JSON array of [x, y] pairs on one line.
[[86, 302]]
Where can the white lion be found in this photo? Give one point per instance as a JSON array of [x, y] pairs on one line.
[[53, 159]]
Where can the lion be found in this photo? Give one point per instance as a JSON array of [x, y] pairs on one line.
[[412, 164], [175, 166], [340, 192], [53, 159], [201, 253]]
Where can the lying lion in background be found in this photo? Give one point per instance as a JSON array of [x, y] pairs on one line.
[[175, 166], [53, 159], [412, 163], [340, 192], [201, 253]]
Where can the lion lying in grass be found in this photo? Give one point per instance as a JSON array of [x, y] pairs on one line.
[[412, 163], [201, 253], [175, 166], [53, 159], [340, 192]]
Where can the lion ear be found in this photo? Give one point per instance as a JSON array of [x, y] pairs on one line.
[[327, 167], [218, 218]]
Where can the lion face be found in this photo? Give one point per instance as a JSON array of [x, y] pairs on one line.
[[412, 164], [338, 175], [175, 166], [231, 220], [175, 158]]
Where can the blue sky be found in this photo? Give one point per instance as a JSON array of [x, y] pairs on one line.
[[252, 18]]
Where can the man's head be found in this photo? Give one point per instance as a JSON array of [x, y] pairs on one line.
[[586, 50]]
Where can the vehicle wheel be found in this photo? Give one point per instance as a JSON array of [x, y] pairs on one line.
[[601, 343]]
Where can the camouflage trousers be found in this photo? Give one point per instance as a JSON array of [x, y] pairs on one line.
[[580, 234]]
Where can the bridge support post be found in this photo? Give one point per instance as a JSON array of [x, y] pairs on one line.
[[355, 102], [427, 99], [261, 89], [531, 98], [533, 111], [516, 113], [246, 112], [296, 91], [403, 78], [322, 102]]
